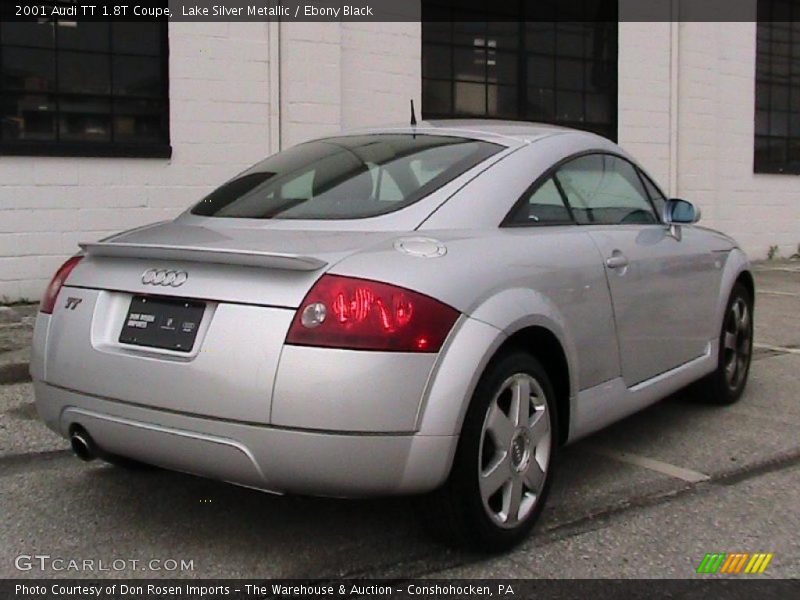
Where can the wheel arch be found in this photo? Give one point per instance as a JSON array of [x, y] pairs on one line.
[[545, 346]]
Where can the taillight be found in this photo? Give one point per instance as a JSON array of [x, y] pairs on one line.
[[359, 314], [51, 293]]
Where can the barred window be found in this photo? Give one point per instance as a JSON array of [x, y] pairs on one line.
[[495, 64], [777, 117], [84, 89]]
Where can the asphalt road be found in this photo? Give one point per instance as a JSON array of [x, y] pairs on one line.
[[648, 497]]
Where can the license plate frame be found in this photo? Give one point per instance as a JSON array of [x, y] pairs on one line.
[[162, 322]]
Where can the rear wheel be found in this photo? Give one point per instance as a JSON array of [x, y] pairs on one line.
[[501, 471], [726, 384]]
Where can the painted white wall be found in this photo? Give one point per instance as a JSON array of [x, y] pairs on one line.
[[240, 90], [225, 115], [708, 158]]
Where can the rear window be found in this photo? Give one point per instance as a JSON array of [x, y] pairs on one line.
[[349, 177]]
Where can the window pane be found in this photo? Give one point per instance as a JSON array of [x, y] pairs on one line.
[[545, 205], [541, 71], [136, 38], [541, 104], [27, 34], [436, 62], [436, 25], [569, 106], [83, 73], [569, 39], [28, 117], [83, 36], [503, 35], [139, 121], [540, 37], [469, 64], [84, 120], [470, 99], [501, 67], [437, 96], [28, 69], [604, 189], [338, 175], [597, 108], [137, 76], [469, 33], [503, 100], [569, 74]]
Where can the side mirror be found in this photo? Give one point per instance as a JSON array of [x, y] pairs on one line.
[[681, 212]]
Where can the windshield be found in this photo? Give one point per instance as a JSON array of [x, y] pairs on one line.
[[349, 177]]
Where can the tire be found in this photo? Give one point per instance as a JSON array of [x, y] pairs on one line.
[[725, 385], [496, 453]]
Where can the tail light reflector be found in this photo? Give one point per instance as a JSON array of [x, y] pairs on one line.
[[360, 314], [51, 293]]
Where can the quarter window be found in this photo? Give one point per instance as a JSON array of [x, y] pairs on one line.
[[605, 189], [84, 89], [544, 206]]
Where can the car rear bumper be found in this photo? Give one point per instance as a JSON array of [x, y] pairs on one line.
[[276, 459]]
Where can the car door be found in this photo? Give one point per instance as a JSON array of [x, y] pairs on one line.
[[662, 286]]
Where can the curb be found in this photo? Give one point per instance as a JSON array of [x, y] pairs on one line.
[[17, 372]]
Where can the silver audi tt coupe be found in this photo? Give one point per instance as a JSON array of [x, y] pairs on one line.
[[428, 310]]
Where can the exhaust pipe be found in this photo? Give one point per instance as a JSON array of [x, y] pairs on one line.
[[82, 444]]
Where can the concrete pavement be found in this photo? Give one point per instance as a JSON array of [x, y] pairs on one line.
[[647, 497]]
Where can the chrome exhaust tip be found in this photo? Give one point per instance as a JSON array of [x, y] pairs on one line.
[[82, 445]]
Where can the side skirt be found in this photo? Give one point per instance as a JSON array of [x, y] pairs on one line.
[[601, 405]]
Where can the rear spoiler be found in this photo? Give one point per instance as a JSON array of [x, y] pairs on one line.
[[248, 258]]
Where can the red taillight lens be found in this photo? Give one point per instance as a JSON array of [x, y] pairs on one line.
[[359, 314], [51, 293]]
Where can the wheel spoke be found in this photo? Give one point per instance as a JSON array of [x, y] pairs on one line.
[[737, 314], [744, 321], [497, 475], [521, 401], [538, 427], [512, 499], [500, 427], [730, 341], [534, 476]]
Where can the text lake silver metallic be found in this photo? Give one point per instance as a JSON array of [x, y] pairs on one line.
[[164, 277]]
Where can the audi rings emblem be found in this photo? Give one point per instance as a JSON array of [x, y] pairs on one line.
[[164, 277]]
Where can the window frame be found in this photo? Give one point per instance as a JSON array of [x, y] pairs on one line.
[[522, 84], [552, 171], [98, 149], [765, 56]]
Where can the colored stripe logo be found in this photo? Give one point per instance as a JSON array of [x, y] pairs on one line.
[[734, 563]]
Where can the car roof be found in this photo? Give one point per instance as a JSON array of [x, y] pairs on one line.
[[508, 133]]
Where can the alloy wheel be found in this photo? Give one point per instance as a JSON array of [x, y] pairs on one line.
[[514, 451], [736, 339]]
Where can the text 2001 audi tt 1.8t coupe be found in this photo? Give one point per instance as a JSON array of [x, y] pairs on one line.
[[412, 310]]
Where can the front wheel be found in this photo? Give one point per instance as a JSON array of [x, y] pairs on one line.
[[501, 471], [726, 384]]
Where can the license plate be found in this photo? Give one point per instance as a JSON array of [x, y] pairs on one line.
[[166, 323]]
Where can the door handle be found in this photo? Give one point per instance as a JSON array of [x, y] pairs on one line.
[[617, 260]]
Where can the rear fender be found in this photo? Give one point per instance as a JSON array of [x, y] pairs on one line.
[[474, 344]]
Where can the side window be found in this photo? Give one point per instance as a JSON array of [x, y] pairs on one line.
[[544, 205], [655, 195], [605, 190]]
